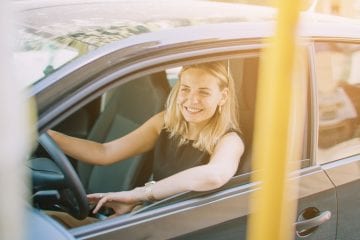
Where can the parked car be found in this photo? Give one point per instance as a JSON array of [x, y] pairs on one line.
[[98, 70]]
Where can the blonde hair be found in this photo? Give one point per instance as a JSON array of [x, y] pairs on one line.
[[220, 123]]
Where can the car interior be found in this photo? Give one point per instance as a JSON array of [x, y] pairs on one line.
[[121, 110]]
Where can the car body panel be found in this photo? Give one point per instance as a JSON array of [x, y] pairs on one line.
[[206, 216], [345, 174]]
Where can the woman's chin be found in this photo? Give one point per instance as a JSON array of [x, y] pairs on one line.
[[192, 118], [195, 120]]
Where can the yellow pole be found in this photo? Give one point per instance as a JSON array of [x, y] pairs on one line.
[[269, 205]]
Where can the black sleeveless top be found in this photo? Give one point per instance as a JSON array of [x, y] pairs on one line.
[[170, 158]]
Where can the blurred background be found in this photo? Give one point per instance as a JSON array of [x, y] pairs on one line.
[[345, 8]]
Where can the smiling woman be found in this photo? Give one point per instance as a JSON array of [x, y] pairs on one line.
[[196, 140]]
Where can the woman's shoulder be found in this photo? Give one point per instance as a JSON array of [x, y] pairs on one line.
[[235, 135], [230, 141], [234, 131]]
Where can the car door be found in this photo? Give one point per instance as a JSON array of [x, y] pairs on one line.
[[338, 149], [317, 205], [223, 213]]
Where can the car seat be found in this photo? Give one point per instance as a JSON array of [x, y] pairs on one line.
[[128, 107]]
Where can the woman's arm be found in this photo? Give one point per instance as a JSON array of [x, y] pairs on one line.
[[222, 166], [138, 141]]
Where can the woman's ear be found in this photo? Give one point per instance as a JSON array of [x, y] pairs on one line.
[[224, 96]]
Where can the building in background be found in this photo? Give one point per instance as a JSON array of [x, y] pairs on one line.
[[346, 8]]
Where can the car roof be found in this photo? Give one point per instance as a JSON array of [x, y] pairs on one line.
[[57, 32]]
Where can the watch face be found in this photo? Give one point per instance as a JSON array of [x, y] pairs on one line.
[[150, 183]]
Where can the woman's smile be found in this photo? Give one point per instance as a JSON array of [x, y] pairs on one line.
[[193, 110]]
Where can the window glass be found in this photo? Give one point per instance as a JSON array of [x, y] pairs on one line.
[[338, 79]]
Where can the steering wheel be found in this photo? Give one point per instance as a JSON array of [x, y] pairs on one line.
[[72, 193]]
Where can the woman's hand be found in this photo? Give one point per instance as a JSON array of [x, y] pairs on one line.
[[120, 202]]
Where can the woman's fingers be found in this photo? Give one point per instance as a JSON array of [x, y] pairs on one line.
[[120, 202], [100, 203], [94, 197], [99, 198]]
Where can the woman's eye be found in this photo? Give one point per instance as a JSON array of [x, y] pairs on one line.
[[184, 90], [204, 93]]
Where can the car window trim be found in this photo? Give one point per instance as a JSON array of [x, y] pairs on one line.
[[94, 88]]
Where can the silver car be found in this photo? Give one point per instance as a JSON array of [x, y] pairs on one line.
[[98, 70]]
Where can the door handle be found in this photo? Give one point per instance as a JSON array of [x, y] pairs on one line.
[[313, 222]]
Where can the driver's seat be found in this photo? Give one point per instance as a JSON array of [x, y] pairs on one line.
[[129, 106]]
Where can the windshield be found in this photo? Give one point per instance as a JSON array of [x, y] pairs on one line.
[[37, 56], [52, 35]]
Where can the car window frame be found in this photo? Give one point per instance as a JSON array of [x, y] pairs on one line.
[[68, 109]]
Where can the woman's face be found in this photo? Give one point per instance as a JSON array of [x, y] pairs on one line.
[[199, 96]]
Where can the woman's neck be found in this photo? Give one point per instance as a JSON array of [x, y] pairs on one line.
[[194, 131]]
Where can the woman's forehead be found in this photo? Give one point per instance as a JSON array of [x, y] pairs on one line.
[[198, 77]]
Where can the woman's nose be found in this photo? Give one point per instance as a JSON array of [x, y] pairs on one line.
[[193, 98]]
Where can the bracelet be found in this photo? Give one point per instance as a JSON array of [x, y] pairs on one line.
[[148, 191]]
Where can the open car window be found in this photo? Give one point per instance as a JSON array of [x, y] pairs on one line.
[[123, 108]]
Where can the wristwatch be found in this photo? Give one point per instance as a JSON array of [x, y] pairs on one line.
[[148, 191]]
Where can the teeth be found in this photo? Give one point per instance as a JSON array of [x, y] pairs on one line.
[[193, 110]]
